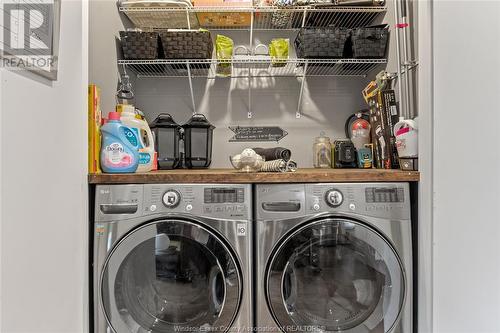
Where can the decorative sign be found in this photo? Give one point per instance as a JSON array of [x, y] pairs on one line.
[[31, 36], [257, 133]]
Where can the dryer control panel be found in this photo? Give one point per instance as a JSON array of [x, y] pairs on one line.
[[380, 200]]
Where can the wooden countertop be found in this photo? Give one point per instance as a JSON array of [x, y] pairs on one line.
[[232, 176]]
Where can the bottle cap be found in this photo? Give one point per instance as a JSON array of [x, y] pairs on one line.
[[126, 110], [113, 116]]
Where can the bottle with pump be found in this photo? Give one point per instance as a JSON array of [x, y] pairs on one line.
[[119, 147], [130, 118]]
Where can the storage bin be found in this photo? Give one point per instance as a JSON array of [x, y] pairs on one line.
[[187, 44], [139, 12], [370, 42], [328, 42], [139, 44]]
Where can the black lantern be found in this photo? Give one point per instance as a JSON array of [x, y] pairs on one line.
[[198, 133], [167, 136]]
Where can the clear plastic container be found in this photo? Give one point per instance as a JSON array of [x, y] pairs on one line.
[[322, 152]]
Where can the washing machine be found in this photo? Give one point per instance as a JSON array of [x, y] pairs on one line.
[[172, 258], [333, 258]]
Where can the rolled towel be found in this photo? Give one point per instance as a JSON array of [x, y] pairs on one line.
[[279, 166], [271, 154]]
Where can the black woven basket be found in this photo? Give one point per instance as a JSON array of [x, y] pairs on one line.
[[139, 44], [328, 42], [370, 42], [187, 44]]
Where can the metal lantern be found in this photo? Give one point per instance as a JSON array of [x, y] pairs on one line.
[[198, 134], [167, 135]]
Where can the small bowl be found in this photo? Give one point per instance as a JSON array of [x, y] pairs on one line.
[[246, 163]]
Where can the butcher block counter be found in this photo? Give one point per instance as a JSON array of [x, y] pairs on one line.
[[229, 176]]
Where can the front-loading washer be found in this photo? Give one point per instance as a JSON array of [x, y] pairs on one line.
[[333, 258], [172, 258]]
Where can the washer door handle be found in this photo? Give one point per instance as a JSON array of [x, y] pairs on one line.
[[118, 208], [281, 206]]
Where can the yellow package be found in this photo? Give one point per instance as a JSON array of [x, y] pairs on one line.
[[94, 128]]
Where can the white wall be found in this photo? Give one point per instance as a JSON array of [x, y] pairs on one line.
[[44, 192], [466, 266]]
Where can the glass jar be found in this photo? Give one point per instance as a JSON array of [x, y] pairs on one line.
[[322, 150]]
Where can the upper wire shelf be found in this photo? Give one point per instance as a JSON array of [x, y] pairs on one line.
[[254, 18], [251, 67]]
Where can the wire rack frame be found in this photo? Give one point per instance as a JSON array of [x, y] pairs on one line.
[[257, 67], [253, 18]]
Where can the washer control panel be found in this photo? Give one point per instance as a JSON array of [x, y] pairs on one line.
[[217, 201]]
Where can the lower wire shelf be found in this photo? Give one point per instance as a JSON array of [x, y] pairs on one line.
[[251, 67]]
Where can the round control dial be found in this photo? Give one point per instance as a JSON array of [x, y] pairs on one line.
[[171, 199], [334, 198]]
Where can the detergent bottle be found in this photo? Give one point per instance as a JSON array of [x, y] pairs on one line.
[[406, 134], [119, 147], [130, 118]]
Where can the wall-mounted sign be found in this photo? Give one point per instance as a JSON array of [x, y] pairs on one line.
[[31, 36], [257, 133]]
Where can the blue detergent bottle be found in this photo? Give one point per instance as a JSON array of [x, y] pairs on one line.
[[119, 146]]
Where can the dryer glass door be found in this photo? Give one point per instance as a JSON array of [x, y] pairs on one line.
[[168, 276], [335, 275]]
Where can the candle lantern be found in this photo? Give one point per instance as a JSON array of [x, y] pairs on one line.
[[167, 135], [198, 134]]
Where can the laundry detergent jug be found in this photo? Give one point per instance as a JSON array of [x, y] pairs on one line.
[[130, 118], [119, 146], [406, 133]]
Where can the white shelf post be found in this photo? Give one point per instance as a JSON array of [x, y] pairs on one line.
[[298, 114], [191, 85]]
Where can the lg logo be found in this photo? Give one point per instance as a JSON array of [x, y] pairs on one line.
[[28, 28]]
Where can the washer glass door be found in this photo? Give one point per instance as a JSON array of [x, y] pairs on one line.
[[335, 275], [171, 275]]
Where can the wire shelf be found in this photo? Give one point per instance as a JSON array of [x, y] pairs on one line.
[[251, 67], [251, 18]]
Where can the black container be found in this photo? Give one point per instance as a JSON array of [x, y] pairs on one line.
[[370, 42], [138, 45], [327, 42], [344, 154], [187, 44], [167, 135], [198, 134]]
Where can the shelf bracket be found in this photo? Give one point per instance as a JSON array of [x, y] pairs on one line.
[[298, 114], [304, 17], [191, 85], [251, 30], [188, 18], [249, 113]]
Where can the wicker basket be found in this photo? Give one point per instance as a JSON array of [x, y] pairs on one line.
[[139, 44], [187, 44], [370, 42], [325, 42]]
